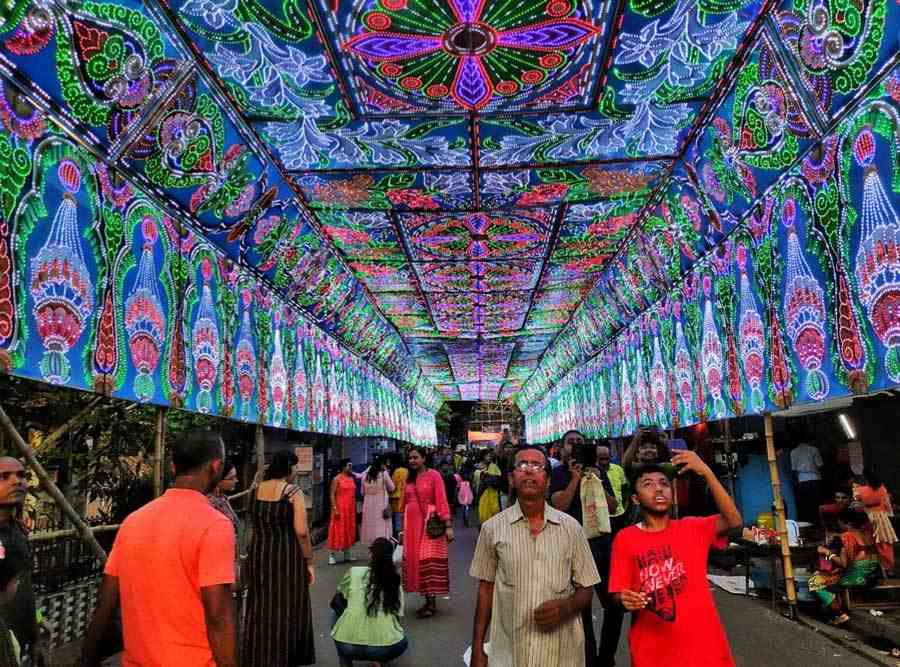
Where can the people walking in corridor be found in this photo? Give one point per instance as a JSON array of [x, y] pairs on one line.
[[535, 574], [489, 489], [279, 631], [377, 514], [659, 572], [427, 530], [342, 527], [219, 500], [464, 497], [369, 628], [580, 458], [17, 613], [398, 495], [171, 570]]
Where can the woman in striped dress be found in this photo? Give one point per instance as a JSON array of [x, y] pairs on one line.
[[279, 630], [426, 568]]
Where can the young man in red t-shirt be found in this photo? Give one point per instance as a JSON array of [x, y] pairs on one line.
[[659, 572]]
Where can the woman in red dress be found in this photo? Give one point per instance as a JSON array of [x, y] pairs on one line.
[[342, 527], [426, 568]]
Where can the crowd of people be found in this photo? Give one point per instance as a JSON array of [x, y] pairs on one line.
[[556, 526]]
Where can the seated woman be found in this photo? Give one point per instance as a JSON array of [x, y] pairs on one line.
[[870, 491], [369, 628], [855, 566]]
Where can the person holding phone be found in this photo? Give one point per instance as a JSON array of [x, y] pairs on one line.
[[659, 571], [579, 458]]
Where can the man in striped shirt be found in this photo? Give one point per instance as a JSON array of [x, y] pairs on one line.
[[535, 573]]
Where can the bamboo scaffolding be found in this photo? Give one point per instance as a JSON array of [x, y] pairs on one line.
[[159, 446], [50, 487], [260, 452], [69, 532], [51, 439], [780, 522]]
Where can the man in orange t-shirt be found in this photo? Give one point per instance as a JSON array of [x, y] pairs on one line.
[[172, 569]]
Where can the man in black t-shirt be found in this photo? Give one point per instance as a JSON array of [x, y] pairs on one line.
[[20, 616], [565, 495]]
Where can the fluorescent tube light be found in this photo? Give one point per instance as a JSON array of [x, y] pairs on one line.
[[848, 428]]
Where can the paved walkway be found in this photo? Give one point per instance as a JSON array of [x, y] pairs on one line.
[[759, 637]]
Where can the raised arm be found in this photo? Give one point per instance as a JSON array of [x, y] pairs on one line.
[[729, 516], [562, 499], [631, 452], [388, 482]]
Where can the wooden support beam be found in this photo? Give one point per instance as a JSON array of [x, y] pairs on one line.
[[50, 487], [780, 521], [260, 452], [51, 439], [159, 451], [48, 535]]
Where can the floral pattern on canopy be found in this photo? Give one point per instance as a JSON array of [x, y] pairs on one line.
[[336, 214]]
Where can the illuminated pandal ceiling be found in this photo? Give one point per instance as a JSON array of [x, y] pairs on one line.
[[484, 199]]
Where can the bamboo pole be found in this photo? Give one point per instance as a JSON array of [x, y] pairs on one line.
[[780, 523], [69, 532], [159, 447], [260, 452], [51, 439], [50, 487]]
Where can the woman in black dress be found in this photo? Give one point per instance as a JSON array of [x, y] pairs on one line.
[[278, 630]]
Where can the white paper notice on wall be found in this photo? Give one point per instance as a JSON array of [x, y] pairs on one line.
[[854, 448]]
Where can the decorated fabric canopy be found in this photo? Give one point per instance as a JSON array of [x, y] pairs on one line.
[[568, 202]]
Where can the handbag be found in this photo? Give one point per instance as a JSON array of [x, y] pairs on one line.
[[338, 603], [434, 527], [595, 512]]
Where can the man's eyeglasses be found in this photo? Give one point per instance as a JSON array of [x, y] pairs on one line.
[[533, 466], [231, 478]]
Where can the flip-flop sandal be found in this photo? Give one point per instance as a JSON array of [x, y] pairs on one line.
[[426, 612], [840, 620]]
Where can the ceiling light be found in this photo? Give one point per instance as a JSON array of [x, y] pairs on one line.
[[848, 428]]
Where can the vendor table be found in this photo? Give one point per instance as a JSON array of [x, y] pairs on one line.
[[750, 549]]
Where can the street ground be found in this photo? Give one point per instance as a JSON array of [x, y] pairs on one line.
[[758, 636]]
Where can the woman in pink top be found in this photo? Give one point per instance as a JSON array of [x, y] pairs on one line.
[[426, 568], [871, 492], [377, 484]]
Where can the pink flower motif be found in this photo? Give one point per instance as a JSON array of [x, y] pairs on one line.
[[263, 227], [543, 194], [347, 236], [411, 199]]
